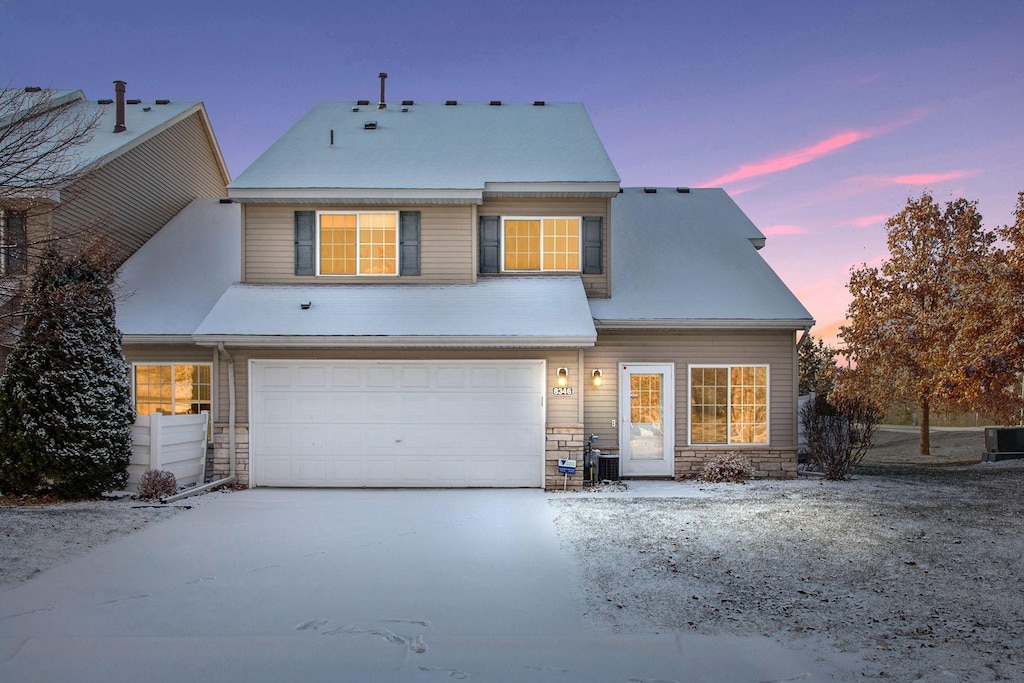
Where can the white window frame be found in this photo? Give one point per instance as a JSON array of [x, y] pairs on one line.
[[729, 442], [171, 364], [398, 240], [579, 243]]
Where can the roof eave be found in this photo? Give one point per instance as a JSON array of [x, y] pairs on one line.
[[704, 324], [334, 195], [396, 341], [127, 339]]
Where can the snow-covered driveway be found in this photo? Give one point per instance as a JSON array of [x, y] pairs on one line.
[[266, 585]]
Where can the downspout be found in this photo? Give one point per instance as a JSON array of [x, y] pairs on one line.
[[230, 479]]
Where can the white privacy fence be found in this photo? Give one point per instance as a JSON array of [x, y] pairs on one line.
[[174, 443]]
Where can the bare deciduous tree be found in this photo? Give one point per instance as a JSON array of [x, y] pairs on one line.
[[41, 135]]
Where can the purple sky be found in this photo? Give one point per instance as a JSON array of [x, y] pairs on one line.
[[819, 118]]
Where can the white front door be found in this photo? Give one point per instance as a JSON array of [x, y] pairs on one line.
[[647, 426]]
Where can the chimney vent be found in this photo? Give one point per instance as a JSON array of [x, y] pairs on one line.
[[119, 126], [383, 103]]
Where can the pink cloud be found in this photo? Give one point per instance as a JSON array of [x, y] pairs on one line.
[[869, 221], [805, 155], [925, 178], [776, 230]]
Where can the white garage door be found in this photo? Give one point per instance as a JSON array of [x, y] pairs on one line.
[[415, 423]]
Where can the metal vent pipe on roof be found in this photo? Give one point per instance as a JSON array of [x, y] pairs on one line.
[[382, 104], [119, 126]]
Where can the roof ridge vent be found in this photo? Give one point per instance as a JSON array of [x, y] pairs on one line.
[[539, 103], [32, 88], [495, 103], [133, 101], [407, 103], [104, 101], [683, 190], [450, 103], [163, 102], [362, 103], [650, 190]]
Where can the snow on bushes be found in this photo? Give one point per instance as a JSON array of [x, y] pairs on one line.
[[65, 399]]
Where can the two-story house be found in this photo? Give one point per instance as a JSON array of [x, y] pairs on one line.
[[124, 171], [458, 294]]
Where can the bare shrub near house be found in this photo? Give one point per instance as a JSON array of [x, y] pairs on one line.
[[727, 467], [840, 435], [157, 484]]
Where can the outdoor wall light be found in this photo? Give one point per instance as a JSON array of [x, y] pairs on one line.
[[597, 378], [563, 376], [305, 305]]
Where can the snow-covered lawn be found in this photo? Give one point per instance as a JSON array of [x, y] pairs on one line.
[[918, 570]]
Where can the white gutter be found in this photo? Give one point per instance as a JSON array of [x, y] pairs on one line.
[[396, 342], [230, 479], [703, 324]]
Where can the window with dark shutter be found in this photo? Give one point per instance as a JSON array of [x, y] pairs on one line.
[[593, 244], [305, 242], [409, 242], [13, 242], [490, 244]]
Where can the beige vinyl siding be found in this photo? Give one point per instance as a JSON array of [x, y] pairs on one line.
[[133, 195], [776, 349], [596, 286], [560, 409], [446, 245]]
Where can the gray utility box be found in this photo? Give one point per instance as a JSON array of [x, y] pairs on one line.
[[1003, 443]]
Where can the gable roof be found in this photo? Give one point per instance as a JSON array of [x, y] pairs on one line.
[[169, 285], [687, 260], [454, 152], [142, 122]]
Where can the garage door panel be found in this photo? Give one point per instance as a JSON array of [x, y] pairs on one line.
[[416, 423]]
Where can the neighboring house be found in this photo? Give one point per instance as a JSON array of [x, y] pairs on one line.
[[458, 294], [142, 164]]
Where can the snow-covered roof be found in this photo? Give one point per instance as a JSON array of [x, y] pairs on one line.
[[686, 260], [511, 312], [142, 121], [170, 284], [454, 151]]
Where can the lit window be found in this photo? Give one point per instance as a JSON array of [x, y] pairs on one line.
[[363, 243], [729, 404], [173, 389], [535, 244]]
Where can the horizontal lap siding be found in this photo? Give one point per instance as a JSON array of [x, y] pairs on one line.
[[133, 195], [560, 409], [597, 286], [775, 349], [446, 245]]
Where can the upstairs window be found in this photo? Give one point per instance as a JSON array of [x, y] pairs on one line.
[[358, 243], [541, 244]]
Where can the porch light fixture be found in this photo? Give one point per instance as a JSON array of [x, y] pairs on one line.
[[597, 378], [563, 376]]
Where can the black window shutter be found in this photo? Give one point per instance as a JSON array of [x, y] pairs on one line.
[[409, 242], [593, 238], [16, 243], [490, 244], [305, 242]]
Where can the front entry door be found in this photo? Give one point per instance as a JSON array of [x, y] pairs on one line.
[[647, 425]]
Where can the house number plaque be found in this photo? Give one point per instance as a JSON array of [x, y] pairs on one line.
[[561, 391]]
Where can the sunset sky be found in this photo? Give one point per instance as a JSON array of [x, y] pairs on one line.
[[819, 118]]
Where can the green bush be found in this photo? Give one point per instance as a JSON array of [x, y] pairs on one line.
[[65, 399]]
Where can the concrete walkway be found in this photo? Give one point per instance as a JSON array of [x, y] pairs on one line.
[[329, 585]]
